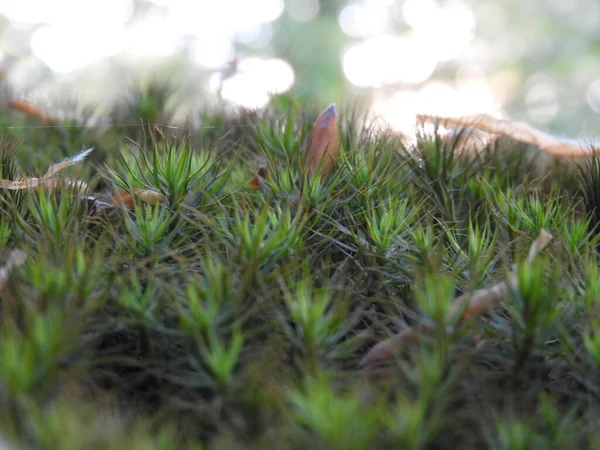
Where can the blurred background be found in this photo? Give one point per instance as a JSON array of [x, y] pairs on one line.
[[533, 60]]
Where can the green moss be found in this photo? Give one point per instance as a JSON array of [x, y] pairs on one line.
[[232, 317]]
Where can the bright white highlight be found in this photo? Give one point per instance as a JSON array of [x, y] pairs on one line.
[[214, 25], [444, 31], [211, 54], [148, 37], [95, 13], [221, 18], [67, 49], [387, 60], [78, 33], [255, 81], [438, 34], [418, 13], [364, 18], [437, 98], [82, 155], [255, 37]]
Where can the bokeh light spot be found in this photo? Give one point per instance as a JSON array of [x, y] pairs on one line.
[[364, 18], [593, 95], [418, 13], [541, 99], [147, 37], [302, 10], [256, 37], [255, 81], [211, 53], [386, 60], [95, 13], [67, 49]]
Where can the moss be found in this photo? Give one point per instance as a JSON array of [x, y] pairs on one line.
[[235, 317]]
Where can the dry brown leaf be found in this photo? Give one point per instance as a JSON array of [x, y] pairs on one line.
[[470, 304], [482, 299], [387, 348], [469, 140], [55, 168], [33, 111], [48, 179], [126, 198], [78, 185], [51, 183], [324, 144], [519, 131], [15, 260]]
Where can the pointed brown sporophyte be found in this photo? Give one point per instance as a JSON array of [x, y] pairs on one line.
[[321, 152], [467, 305], [324, 145], [519, 131]]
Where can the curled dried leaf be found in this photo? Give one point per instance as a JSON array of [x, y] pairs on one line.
[[519, 131], [75, 185], [468, 140], [127, 198], [55, 168], [468, 305], [48, 179], [24, 183], [324, 144]]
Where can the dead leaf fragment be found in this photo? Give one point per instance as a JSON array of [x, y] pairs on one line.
[[471, 304], [324, 145], [519, 131], [468, 140], [127, 198], [386, 348], [48, 179], [51, 183]]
